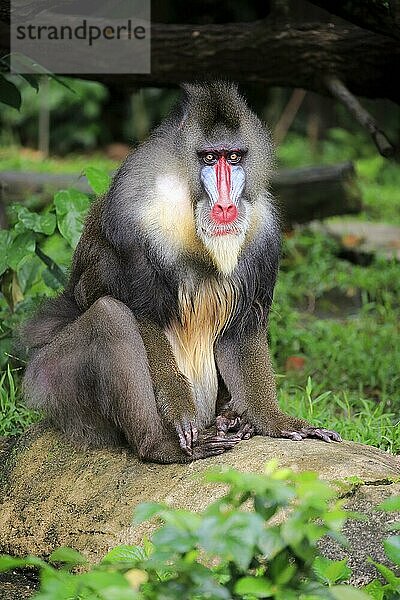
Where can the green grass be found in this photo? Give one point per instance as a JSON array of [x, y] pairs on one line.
[[354, 353], [14, 158], [15, 417]]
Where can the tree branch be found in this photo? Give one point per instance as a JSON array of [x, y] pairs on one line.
[[366, 120], [380, 16]]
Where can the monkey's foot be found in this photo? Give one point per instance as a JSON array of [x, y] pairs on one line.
[[187, 434], [312, 432], [211, 445], [229, 420]]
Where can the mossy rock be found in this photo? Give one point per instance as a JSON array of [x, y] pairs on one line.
[[55, 495]]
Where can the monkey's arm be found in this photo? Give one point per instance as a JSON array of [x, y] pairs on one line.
[[245, 367], [172, 390]]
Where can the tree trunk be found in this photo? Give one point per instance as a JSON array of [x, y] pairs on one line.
[[294, 55]]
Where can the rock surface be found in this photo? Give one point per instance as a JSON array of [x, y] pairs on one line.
[[54, 495]]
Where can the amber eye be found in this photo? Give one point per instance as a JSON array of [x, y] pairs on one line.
[[234, 157], [210, 158]]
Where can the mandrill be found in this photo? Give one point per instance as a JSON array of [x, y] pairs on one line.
[[159, 339]]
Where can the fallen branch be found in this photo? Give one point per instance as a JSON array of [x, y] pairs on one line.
[[366, 120]]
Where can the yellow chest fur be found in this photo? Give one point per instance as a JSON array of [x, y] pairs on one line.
[[204, 312]]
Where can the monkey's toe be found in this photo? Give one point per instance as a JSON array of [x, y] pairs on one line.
[[227, 421], [213, 445], [313, 432], [246, 431]]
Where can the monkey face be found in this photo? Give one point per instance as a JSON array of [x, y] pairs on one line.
[[223, 179], [222, 212]]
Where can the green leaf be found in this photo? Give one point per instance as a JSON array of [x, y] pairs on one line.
[[346, 592], [124, 554], [146, 511], [31, 79], [390, 504], [270, 542], [71, 209], [45, 223], [257, 586], [388, 575], [375, 589], [67, 555], [98, 180], [233, 536], [22, 245], [10, 562], [392, 548], [101, 581], [5, 243], [331, 571], [9, 93]]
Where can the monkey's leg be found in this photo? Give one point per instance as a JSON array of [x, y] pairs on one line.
[[246, 369], [93, 381]]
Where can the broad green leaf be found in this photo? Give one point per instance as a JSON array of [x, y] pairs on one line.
[[233, 537], [331, 571], [392, 548], [67, 555], [9, 93], [270, 542], [98, 180], [375, 589], [45, 223], [5, 243], [390, 504], [101, 580], [21, 246], [256, 586], [346, 592], [292, 531], [124, 554], [146, 511], [71, 209], [10, 562], [388, 575]]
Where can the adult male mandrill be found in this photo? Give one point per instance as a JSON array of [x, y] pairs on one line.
[[160, 337]]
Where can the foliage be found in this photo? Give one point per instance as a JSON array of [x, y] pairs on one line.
[[34, 255], [238, 547], [84, 99]]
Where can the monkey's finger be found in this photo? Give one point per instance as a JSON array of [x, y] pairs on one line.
[[195, 434], [183, 442], [218, 442]]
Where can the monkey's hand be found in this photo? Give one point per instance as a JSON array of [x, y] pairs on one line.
[[230, 420], [187, 434], [312, 432], [210, 444]]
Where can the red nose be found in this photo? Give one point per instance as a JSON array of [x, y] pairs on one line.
[[224, 214]]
